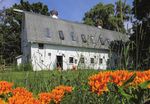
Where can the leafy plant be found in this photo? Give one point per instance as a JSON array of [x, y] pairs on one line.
[[129, 95]]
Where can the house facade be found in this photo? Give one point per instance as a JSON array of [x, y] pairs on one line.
[[50, 43]]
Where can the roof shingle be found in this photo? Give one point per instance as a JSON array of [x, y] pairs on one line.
[[39, 27]]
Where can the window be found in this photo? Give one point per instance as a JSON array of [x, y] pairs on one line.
[[48, 33], [70, 59], [92, 60], [75, 61], [82, 60], [100, 61], [61, 35], [41, 46], [108, 41], [49, 54], [92, 39], [101, 40], [73, 37], [83, 38]]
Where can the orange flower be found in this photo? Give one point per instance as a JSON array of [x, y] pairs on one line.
[[55, 95], [21, 96], [98, 82], [5, 87], [45, 98], [59, 91], [64, 88], [2, 102], [21, 92]]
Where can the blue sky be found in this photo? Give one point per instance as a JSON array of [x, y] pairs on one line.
[[72, 10]]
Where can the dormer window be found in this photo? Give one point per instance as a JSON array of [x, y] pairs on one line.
[[101, 39], [48, 33], [73, 37], [61, 35], [108, 41], [92, 39], [83, 38]]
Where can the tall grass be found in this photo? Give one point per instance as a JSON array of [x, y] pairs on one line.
[[123, 53], [44, 81]]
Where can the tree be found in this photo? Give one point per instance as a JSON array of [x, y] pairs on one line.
[[10, 28], [109, 16], [2, 14], [141, 35], [112, 17]]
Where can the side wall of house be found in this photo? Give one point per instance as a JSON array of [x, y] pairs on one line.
[[46, 58]]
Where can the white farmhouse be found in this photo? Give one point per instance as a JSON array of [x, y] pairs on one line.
[[49, 43]]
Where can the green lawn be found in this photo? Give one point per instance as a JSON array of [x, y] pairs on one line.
[[44, 81]]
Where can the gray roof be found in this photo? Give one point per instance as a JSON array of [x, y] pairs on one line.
[[44, 29]]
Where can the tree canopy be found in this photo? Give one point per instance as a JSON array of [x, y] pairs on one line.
[[10, 28], [141, 9], [109, 16]]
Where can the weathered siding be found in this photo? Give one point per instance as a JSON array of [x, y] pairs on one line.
[[46, 58]]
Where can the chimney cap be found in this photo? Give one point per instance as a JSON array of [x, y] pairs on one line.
[[54, 12]]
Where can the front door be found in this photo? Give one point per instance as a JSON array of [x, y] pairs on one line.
[[60, 62]]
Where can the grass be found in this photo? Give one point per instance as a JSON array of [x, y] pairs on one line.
[[44, 81]]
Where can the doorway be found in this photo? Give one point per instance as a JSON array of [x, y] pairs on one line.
[[59, 62]]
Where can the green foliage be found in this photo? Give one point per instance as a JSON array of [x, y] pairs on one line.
[[123, 52], [84, 96], [144, 85], [129, 95], [141, 34], [141, 8], [10, 28], [109, 16], [129, 80], [23, 67], [45, 81]]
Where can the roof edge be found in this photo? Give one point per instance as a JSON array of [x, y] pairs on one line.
[[80, 23]]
